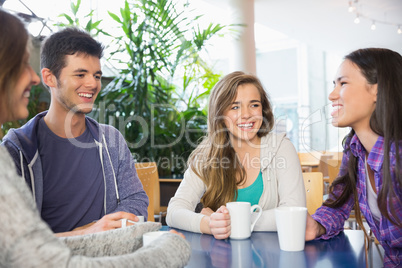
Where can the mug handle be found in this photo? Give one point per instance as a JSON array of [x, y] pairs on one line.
[[258, 216]]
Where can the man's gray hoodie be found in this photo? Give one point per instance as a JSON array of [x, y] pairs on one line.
[[123, 189]]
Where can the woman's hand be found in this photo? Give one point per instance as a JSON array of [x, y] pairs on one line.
[[313, 228], [207, 211], [219, 223]]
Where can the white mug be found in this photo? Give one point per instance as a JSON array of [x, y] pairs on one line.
[[147, 238], [291, 225], [140, 218], [240, 218]]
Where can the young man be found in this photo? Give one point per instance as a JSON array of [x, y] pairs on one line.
[[81, 173]]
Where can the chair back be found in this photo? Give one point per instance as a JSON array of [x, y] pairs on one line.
[[323, 165], [333, 169], [148, 175], [313, 184], [337, 155], [309, 161]]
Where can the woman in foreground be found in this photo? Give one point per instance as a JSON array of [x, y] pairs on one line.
[[26, 240], [240, 159], [367, 97]]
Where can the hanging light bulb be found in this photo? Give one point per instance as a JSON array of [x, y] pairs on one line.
[[351, 7], [357, 20], [373, 26], [399, 29]]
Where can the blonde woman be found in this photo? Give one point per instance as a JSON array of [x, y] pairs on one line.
[[239, 160]]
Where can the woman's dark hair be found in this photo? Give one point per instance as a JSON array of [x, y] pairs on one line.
[[384, 68], [13, 48]]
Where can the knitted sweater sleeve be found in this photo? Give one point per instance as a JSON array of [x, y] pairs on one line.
[[26, 241]]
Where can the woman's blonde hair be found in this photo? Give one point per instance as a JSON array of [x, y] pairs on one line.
[[13, 48], [215, 160]]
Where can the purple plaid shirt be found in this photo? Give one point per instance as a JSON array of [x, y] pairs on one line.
[[389, 235]]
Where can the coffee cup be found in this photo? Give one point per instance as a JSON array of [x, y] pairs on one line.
[[140, 218], [147, 238], [291, 226], [240, 218]]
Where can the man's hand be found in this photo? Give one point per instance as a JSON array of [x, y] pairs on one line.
[[107, 222]]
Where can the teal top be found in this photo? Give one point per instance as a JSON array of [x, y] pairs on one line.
[[251, 193]]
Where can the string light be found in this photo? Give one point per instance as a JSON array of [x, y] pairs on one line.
[[373, 26], [357, 20], [354, 8], [351, 7]]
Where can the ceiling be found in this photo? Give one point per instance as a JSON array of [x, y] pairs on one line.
[[322, 24], [327, 24]]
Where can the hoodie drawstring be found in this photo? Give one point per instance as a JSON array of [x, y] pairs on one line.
[[114, 175]]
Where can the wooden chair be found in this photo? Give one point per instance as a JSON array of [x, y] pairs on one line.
[[314, 191], [333, 169], [148, 175], [336, 155], [323, 165], [309, 161]]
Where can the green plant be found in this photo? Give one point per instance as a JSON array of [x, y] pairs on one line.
[[74, 19], [157, 99]]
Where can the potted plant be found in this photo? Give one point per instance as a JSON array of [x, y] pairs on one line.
[[156, 100]]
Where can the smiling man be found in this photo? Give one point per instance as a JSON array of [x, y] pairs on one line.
[[81, 173]]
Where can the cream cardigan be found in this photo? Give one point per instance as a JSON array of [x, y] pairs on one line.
[[282, 179]]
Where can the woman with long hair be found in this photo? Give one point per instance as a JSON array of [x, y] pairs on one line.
[[367, 96], [25, 239], [240, 159]]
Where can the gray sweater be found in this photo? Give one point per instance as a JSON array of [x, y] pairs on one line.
[[27, 241]]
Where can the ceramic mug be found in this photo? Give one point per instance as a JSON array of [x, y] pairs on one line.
[[291, 225], [140, 218], [240, 218], [147, 238]]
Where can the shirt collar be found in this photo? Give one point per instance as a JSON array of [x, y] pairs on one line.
[[376, 155]]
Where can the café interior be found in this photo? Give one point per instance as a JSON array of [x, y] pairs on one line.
[[295, 48]]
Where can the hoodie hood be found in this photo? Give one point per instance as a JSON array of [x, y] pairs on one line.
[[26, 140]]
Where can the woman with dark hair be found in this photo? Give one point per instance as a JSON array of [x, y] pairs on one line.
[[26, 240], [367, 96], [240, 159], [16, 75]]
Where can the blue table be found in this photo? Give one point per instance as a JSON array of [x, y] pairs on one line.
[[262, 250]]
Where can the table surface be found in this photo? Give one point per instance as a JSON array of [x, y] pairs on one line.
[[170, 180], [262, 250]]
